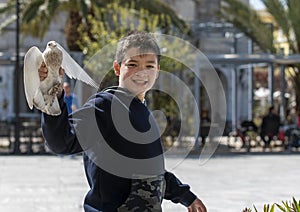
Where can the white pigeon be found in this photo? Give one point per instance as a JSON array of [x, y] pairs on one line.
[[43, 94]]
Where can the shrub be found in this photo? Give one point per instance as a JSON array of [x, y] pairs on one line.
[[287, 206]]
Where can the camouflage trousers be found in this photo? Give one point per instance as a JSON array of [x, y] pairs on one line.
[[146, 195]]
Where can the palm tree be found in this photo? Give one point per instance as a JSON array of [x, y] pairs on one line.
[[247, 20], [36, 15], [286, 14]]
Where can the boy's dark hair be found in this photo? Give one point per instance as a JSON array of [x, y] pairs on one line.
[[144, 42]]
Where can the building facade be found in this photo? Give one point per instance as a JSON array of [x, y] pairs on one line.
[[215, 37]]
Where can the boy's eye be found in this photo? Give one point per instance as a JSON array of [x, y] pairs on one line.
[[131, 65], [134, 65]]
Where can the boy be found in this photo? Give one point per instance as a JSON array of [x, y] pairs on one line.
[[114, 124]]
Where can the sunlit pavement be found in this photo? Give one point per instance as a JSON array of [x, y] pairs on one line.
[[225, 183]]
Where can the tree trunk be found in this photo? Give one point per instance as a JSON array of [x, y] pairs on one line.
[[71, 30]]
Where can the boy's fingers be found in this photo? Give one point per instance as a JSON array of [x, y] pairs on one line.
[[43, 71], [61, 71]]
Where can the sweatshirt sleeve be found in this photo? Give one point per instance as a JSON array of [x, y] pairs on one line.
[[79, 131], [59, 132], [178, 192]]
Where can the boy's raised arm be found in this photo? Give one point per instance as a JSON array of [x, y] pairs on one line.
[[57, 131]]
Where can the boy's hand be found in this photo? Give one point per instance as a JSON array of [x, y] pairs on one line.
[[43, 72], [197, 206]]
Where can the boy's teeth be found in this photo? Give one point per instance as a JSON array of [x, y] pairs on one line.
[[140, 81]]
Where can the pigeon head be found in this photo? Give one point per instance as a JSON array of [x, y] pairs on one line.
[[53, 56], [51, 44]]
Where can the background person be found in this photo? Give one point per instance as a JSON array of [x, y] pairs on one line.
[[270, 126], [205, 125], [70, 98]]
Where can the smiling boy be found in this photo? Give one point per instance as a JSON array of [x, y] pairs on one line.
[[136, 72], [120, 185]]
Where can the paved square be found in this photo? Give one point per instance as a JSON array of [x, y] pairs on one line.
[[225, 183]]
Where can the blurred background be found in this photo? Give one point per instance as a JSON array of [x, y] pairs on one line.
[[253, 46]]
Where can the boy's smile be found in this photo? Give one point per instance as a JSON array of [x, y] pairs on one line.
[[137, 72]]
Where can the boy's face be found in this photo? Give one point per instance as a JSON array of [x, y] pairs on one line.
[[137, 72]]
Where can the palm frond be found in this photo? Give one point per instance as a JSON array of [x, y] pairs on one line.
[[37, 27], [53, 6], [31, 10], [156, 7], [8, 8], [8, 11], [84, 7], [7, 22], [277, 9], [293, 13], [247, 20]]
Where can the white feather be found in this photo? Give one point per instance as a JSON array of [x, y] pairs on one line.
[[74, 70], [32, 61]]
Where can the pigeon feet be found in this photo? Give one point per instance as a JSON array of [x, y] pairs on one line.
[[55, 90]]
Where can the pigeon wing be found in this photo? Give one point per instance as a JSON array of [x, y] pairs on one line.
[[74, 70], [32, 61]]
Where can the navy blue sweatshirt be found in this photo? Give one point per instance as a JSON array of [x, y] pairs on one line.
[[118, 137]]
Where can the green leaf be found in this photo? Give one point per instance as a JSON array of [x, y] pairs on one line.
[[84, 8], [52, 6], [247, 20], [32, 10], [272, 208], [7, 22], [296, 205], [9, 7], [280, 207], [266, 207]]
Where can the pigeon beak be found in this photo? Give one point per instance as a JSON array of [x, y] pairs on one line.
[[52, 44]]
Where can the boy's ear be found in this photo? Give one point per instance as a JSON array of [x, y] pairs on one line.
[[117, 68], [158, 69]]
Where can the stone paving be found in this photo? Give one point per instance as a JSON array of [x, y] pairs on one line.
[[228, 182]]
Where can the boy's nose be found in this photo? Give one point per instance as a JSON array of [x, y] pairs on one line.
[[141, 72]]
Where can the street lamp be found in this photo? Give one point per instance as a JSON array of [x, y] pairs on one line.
[[17, 86]]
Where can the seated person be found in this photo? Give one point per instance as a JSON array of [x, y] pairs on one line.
[[270, 126], [248, 127]]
